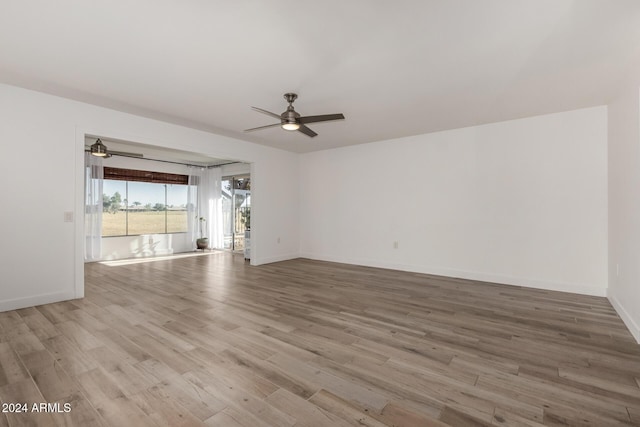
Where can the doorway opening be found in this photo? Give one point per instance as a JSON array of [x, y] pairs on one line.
[[236, 213]]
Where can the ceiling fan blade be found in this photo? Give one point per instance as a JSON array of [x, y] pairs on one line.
[[262, 127], [322, 118], [268, 113], [307, 131]]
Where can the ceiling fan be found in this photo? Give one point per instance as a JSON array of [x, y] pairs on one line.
[[291, 120], [98, 149]]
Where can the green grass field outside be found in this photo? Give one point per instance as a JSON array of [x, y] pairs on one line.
[[115, 224]]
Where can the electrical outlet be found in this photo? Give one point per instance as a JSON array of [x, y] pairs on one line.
[[395, 245], [278, 240], [68, 216]]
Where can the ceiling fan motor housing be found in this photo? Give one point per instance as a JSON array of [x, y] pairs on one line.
[[290, 116]]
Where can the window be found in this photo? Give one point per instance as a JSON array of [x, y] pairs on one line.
[[143, 202]]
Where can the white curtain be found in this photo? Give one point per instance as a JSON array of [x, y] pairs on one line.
[[205, 201], [94, 175], [193, 213], [215, 202]]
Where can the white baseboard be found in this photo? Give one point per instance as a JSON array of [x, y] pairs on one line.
[[625, 316], [18, 303], [471, 275], [277, 258]]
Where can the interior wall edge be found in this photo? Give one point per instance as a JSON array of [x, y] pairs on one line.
[[633, 327]]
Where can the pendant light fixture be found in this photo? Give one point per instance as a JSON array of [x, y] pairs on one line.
[[99, 149]]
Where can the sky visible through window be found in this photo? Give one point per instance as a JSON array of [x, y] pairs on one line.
[[146, 193]]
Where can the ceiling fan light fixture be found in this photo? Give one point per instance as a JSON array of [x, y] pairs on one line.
[[99, 149], [291, 126], [290, 120]]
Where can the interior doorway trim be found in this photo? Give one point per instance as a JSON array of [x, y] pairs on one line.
[[78, 288]]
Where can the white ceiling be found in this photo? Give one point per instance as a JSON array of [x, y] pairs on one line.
[[394, 68]]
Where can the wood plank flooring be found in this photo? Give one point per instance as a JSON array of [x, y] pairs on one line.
[[208, 340]]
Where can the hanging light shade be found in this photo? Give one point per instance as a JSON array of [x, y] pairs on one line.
[[99, 149], [290, 126]]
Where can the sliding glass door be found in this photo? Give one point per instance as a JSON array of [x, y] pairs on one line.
[[236, 210]]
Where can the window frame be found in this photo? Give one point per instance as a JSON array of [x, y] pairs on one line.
[[151, 177]]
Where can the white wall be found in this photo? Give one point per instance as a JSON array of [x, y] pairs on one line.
[[624, 207], [522, 202], [42, 137], [145, 245]]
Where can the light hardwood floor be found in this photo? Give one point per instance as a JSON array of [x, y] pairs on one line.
[[209, 340]]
